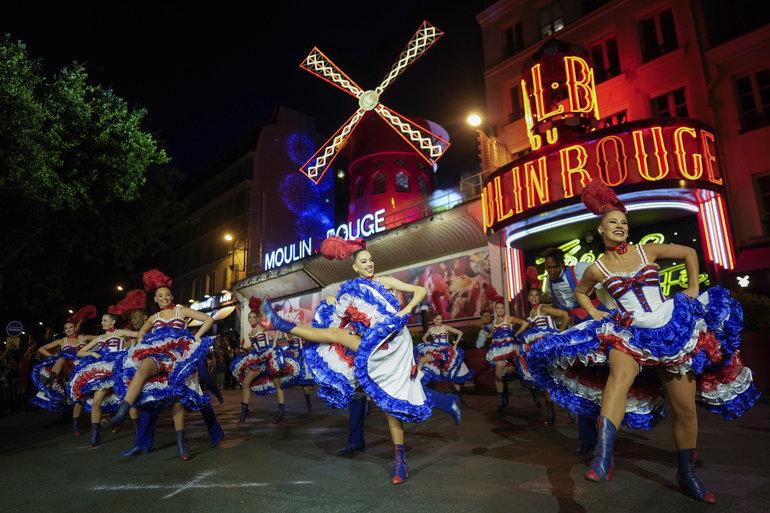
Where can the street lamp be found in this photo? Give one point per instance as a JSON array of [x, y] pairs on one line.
[[473, 120], [229, 237], [119, 288], [71, 311]]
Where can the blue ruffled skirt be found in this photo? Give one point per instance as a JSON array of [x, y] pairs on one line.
[[305, 377], [176, 354], [269, 363], [683, 335], [383, 364], [53, 397], [447, 365], [92, 374]]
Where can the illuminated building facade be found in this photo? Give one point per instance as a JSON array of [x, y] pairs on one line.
[[663, 100]]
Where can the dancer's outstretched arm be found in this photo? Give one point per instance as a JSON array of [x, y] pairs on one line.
[[418, 292]]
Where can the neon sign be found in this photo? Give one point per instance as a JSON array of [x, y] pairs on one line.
[[362, 227], [649, 151]]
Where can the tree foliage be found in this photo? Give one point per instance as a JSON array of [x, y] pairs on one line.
[[82, 186]]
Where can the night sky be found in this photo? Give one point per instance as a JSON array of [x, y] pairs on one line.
[[208, 75]]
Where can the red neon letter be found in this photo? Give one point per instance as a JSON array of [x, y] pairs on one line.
[[487, 209], [681, 155], [707, 139], [580, 84], [568, 169], [660, 154], [536, 180], [537, 92], [619, 160], [499, 200], [518, 204]]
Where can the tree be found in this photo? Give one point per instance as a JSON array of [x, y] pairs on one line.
[[82, 187]]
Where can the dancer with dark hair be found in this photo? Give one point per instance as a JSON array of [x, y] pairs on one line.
[[59, 357], [503, 351], [161, 370], [266, 369], [440, 358], [361, 337], [687, 345], [93, 381]]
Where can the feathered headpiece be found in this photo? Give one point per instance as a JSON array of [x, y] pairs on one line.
[[136, 298], [254, 304], [337, 248], [154, 279], [600, 199], [533, 277], [87, 312], [492, 294]]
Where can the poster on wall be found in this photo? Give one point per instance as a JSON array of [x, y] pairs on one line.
[[299, 309], [457, 286]]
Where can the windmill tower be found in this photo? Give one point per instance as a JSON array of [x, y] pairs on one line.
[[391, 158]]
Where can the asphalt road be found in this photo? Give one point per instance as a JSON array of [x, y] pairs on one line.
[[489, 464]]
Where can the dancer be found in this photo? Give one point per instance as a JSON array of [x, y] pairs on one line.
[[59, 356], [161, 369], [562, 282], [688, 345], [265, 369], [502, 352], [305, 377], [442, 359], [92, 381], [362, 338], [543, 320]]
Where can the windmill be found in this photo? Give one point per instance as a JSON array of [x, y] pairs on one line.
[[424, 142]]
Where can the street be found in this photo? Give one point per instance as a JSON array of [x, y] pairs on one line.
[[488, 464]]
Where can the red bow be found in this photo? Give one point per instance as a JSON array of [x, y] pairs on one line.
[[623, 319], [642, 279]]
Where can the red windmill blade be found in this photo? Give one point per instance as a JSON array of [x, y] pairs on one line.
[[427, 144]]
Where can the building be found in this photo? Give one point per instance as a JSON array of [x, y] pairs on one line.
[[232, 212], [705, 61]]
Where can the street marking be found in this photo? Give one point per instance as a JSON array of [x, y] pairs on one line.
[[196, 483]]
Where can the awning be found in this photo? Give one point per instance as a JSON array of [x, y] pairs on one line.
[[753, 259], [217, 315], [445, 233]]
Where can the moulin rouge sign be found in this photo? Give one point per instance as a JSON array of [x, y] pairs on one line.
[[654, 152]]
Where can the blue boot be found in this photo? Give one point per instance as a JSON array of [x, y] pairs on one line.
[[448, 403], [180, 445], [278, 417], [586, 433], [119, 416], [93, 440], [688, 481], [603, 465], [400, 472], [271, 320], [205, 379], [244, 413], [139, 436], [356, 418], [216, 434]]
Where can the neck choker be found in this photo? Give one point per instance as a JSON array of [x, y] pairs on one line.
[[620, 249], [169, 307]]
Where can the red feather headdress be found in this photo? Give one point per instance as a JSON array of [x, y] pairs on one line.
[[136, 298], [337, 248], [533, 277], [87, 312], [600, 199], [492, 294], [154, 279], [254, 304]]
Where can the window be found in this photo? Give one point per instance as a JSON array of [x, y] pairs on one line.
[[211, 286], [422, 185], [379, 184], [513, 40], [658, 34], [359, 191], [614, 119], [551, 20], [606, 59], [753, 92], [517, 107], [670, 105], [762, 186], [402, 182]]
